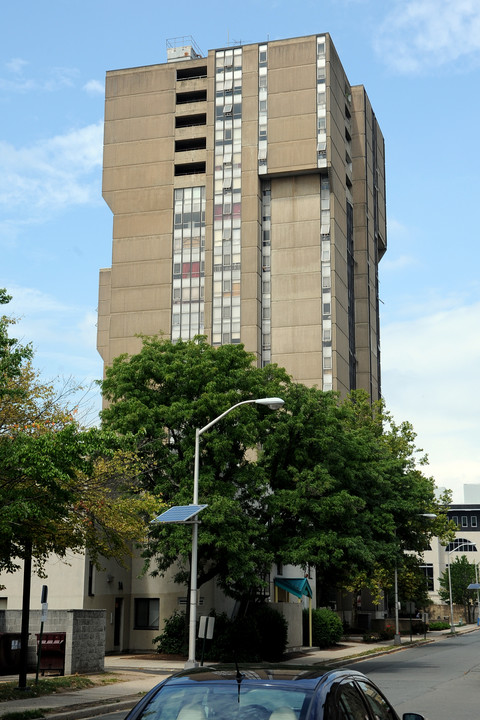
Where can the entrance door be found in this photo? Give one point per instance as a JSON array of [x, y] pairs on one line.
[[117, 622]]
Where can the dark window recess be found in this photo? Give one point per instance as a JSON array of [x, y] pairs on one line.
[[187, 73], [190, 168], [146, 613], [191, 144], [190, 120], [191, 97]]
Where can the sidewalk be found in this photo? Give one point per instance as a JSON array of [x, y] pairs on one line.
[[139, 673]]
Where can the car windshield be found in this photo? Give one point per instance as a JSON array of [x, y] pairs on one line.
[[210, 701]]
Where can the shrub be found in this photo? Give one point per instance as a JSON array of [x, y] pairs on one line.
[[271, 630], [327, 628], [173, 639], [439, 626], [259, 635], [370, 637], [388, 633]]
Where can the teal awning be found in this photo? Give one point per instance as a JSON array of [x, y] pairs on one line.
[[295, 586]]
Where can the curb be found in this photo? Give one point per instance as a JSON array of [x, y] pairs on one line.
[[89, 710]]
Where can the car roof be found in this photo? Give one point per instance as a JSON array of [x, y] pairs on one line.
[[304, 676]]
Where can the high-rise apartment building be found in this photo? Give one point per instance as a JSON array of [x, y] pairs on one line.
[[248, 194]]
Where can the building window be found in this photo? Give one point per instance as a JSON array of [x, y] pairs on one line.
[[428, 571], [461, 545], [473, 521], [455, 519], [146, 613], [464, 521]]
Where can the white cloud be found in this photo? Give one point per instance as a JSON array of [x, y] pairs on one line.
[[401, 262], [16, 65], [63, 335], [57, 172], [420, 35], [430, 377], [55, 78], [94, 87]]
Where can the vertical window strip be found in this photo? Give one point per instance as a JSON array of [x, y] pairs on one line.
[[351, 299], [262, 108], [266, 346], [326, 293], [188, 263], [227, 197], [321, 103]]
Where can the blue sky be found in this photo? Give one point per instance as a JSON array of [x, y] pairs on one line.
[[420, 63]]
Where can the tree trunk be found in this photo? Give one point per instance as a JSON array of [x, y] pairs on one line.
[[27, 579]]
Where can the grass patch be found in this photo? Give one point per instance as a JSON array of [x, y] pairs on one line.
[[25, 715], [45, 686]]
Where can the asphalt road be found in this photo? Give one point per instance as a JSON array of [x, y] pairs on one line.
[[441, 680]]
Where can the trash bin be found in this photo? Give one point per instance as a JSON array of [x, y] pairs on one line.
[[52, 656], [9, 653]]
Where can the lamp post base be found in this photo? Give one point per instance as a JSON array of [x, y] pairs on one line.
[[397, 639]]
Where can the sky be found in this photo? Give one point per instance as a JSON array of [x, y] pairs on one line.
[[419, 61]]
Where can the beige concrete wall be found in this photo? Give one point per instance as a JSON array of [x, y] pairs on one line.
[[292, 141], [296, 281]]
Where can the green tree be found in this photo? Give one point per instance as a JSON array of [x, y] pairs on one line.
[[62, 487], [330, 483], [163, 394], [462, 573], [347, 493], [13, 355]]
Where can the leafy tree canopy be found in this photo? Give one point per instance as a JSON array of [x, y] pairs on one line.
[[163, 394], [336, 484], [62, 487], [12, 354], [462, 573], [348, 495]]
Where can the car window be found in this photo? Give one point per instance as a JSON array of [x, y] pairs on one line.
[[221, 702], [381, 710], [347, 704]]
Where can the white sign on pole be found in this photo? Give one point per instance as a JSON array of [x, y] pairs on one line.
[[43, 617], [205, 627]]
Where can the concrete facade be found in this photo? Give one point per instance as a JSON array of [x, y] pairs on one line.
[[282, 251]]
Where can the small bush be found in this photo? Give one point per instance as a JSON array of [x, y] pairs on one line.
[[439, 626], [172, 641], [370, 638], [327, 628], [388, 633]]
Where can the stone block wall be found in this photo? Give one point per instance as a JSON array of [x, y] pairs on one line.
[[85, 636]]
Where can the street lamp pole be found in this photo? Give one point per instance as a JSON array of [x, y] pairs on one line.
[[273, 403], [397, 640]]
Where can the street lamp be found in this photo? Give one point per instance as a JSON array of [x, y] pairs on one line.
[[273, 403]]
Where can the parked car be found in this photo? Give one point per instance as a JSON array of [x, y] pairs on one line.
[[266, 693]]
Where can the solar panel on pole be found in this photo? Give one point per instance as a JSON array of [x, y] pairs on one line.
[[180, 513]]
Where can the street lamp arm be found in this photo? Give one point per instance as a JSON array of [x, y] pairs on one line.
[[273, 403]]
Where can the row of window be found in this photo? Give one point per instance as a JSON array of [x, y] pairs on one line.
[[227, 199], [465, 521]]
